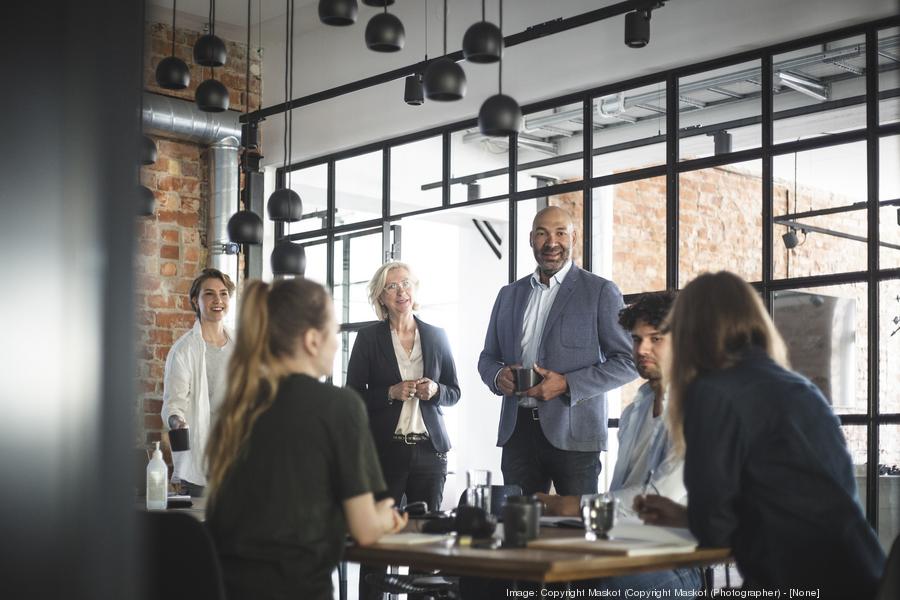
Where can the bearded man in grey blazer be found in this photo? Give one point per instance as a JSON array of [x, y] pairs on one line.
[[562, 321]]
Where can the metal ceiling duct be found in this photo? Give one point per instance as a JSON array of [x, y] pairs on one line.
[[221, 132]]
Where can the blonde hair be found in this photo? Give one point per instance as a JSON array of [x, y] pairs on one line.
[[376, 286], [716, 318], [272, 319]]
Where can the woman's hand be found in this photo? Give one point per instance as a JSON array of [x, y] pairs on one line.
[[391, 520], [403, 391], [559, 506], [659, 510], [426, 389]]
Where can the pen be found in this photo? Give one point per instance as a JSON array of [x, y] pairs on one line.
[[647, 482]]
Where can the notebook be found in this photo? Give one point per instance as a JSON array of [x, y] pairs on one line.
[[629, 538], [409, 538]]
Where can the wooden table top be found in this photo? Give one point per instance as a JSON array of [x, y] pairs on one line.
[[528, 564]]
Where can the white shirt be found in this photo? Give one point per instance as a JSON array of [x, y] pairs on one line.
[[539, 303], [186, 394], [643, 445], [411, 369]]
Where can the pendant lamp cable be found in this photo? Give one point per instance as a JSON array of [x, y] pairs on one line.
[[482, 10], [247, 84], [174, 4], [445, 27], [500, 69], [291, 92], [287, 33], [426, 31]]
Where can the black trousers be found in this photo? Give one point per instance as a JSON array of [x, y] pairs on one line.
[[413, 473], [532, 462]]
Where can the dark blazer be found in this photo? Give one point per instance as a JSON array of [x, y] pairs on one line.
[[768, 474], [373, 369]]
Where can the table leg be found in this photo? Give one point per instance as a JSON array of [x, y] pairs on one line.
[[342, 580]]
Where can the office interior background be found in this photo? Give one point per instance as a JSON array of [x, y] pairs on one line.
[[760, 137]]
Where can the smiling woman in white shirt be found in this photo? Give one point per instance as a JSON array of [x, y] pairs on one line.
[[194, 379]]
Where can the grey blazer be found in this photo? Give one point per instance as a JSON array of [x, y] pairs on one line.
[[582, 339]]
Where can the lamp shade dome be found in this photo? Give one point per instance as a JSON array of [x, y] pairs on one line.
[[172, 73], [245, 227], [500, 115], [209, 51], [211, 96], [444, 81], [385, 33], [149, 153], [338, 13], [288, 258], [483, 43], [285, 205], [146, 202]]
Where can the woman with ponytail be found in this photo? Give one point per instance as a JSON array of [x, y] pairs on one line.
[[291, 463], [766, 466]]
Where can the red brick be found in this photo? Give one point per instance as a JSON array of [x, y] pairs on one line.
[[161, 352], [147, 248], [168, 269], [147, 386], [170, 252], [148, 283], [188, 219], [160, 301], [152, 406], [169, 235], [160, 336], [172, 320]]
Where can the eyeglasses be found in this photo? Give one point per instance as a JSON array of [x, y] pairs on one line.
[[393, 288]]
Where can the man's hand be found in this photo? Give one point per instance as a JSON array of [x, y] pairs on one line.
[[176, 422], [505, 380], [553, 385], [559, 506], [659, 510], [426, 389]]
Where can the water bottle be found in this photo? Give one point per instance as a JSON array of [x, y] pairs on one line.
[[157, 481]]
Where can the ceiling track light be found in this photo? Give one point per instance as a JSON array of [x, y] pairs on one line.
[[378, 3], [338, 13], [172, 73], [637, 28], [413, 94]]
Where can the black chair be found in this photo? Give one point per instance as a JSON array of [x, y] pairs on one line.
[[180, 560], [889, 588], [416, 586]]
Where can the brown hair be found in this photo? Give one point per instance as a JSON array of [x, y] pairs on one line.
[[716, 318], [205, 274], [272, 320]]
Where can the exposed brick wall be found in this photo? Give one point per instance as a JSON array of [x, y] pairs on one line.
[[172, 244]]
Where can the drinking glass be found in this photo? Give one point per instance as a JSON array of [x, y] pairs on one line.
[[478, 489], [598, 512]]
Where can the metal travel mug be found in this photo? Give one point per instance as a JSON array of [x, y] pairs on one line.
[[521, 520]]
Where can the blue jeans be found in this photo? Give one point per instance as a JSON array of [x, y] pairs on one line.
[[532, 462], [679, 579]]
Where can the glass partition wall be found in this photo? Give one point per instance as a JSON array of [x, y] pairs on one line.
[[780, 164]]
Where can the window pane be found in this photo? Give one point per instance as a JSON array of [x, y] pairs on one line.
[[889, 346], [857, 441], [720, 221], [479, 166], [356, 257], [889, 75], [804, 79], [358, 188], [888, 484], [629, 118], [629, 234], [342, 358], [719, 100], [572, 203], [808, 182], [551, 149], [889, 194], [825, 330], [312, 185], [415, 166], [316, 261]]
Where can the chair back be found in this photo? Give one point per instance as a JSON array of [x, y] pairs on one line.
[[180, 559], [889, 588]]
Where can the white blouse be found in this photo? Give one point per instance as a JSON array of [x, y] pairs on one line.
[[411, 369]]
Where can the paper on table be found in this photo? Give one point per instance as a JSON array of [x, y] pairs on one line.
[[630, 537], [408, 538]]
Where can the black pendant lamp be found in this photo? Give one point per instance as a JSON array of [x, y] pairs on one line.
[[284, 204], [338, 13], [146, 201], [483, 42], [148, 150], [500, 115], [378, 3], [385, 33], [209, 50], [444, 80], [212, 96], [288, 258], [172, 73], [245, 226]]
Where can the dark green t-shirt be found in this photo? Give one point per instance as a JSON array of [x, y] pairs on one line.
[[277, 520]]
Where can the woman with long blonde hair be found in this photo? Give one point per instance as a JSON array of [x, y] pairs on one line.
[[766, 466], [291, 462]]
